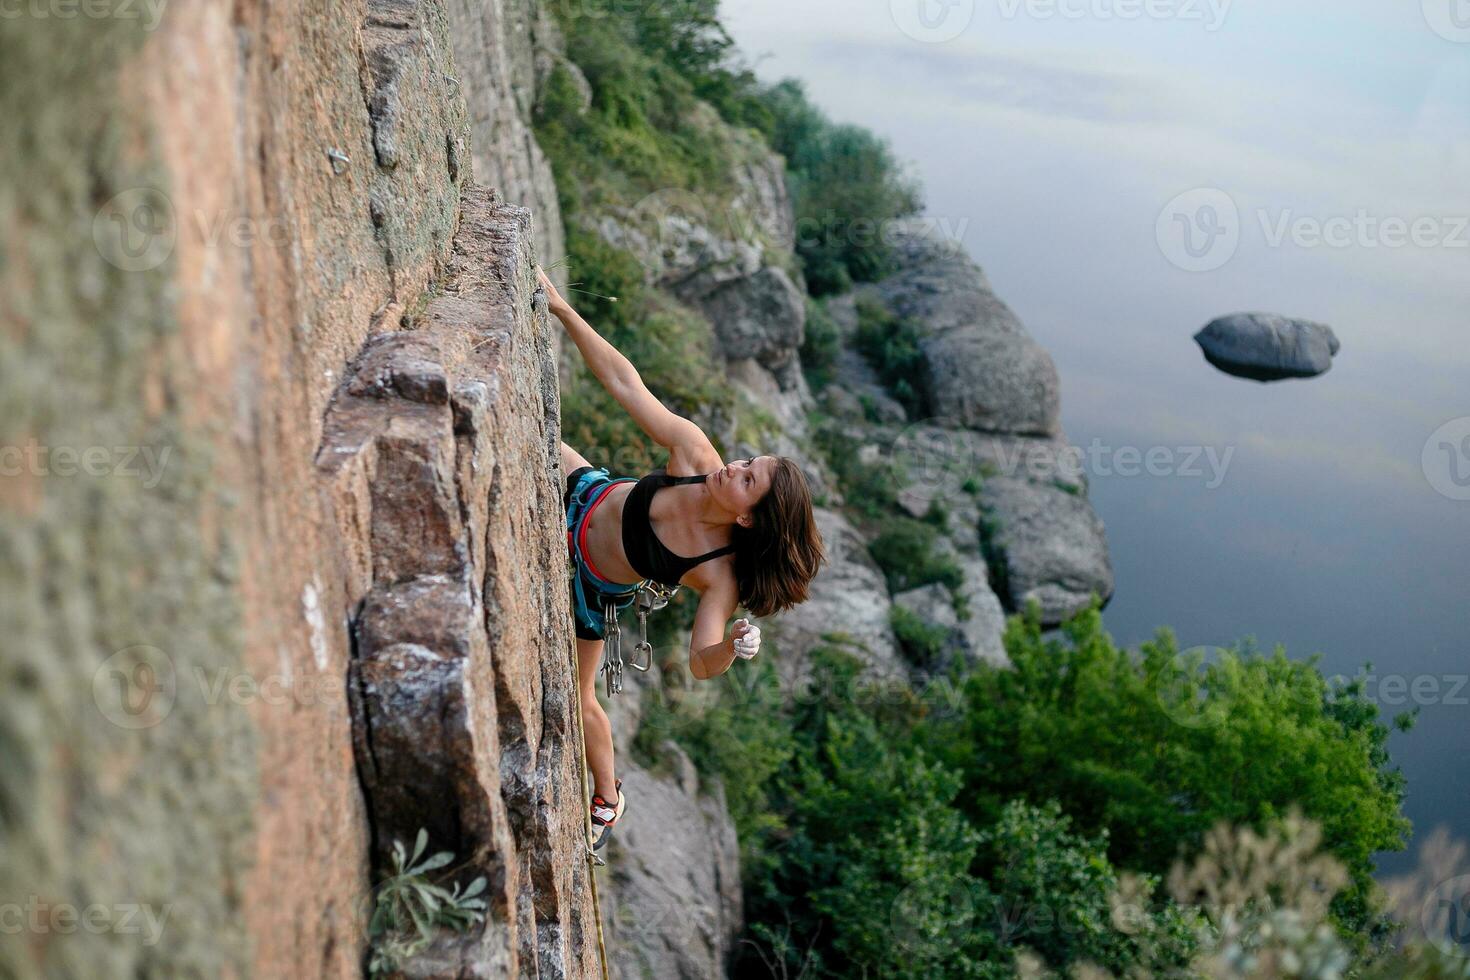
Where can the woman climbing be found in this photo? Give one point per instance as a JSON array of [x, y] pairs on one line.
[[747, 526]]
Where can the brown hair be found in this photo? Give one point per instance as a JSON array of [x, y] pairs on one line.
[[781, 552]]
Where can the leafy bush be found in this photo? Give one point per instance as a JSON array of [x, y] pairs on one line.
[[1157, 748], [869, 829], [845, 185], [870, 488], [731, 727], [1053, 891], [820, 345], [907, 552], [937, 514], [922, 642], [892, 345]]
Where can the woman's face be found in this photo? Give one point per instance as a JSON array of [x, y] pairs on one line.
[[741, 483]]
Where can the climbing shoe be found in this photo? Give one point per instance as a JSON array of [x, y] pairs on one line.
[[605, 815]]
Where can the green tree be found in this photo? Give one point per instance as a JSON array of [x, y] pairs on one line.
[[1156, 748]]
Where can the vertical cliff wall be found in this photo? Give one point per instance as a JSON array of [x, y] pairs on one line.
[[204, 209]]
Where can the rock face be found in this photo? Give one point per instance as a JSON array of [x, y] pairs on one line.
[[504, 50], [1266, 347], [672, 903], [1047, 545], [714, 253], [1012, 485], [217, 204], [982, 368], [461, 682], [848, 598], [305, 610]]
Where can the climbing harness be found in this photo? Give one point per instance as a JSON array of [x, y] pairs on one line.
[[611, 597]]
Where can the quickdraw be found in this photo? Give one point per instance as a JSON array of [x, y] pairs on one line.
[[651, 597]]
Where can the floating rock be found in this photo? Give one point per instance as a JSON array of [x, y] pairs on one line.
[[1266, 347]]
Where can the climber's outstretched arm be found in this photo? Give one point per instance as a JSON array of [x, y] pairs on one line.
[[710, 651], [623, 382]]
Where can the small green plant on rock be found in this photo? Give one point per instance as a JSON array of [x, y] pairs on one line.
[[408, 908], [922, 642], [907, 551]]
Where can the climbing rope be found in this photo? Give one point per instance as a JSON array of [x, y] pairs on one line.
[[593, 860]]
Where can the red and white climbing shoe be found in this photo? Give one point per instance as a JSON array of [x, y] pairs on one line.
[[605, 815]]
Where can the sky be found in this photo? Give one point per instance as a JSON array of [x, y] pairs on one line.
[[1126, 171]]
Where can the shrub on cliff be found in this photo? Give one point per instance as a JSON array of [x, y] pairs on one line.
[[846, 185], [906, 551], [1155, 748], [874, 870], [891, 345]]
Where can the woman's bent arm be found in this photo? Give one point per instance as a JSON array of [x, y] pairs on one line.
[[710, 651]]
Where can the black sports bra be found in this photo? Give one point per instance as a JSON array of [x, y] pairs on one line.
[[646, 553]]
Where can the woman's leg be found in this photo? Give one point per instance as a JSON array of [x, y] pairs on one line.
[[571, 459], [596, 729]]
